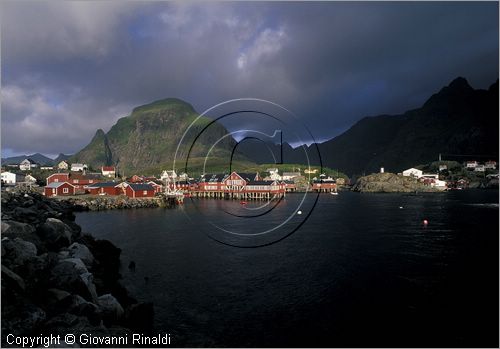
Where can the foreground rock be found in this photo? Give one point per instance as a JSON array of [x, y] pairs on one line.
[[56, 280], [390, 183]]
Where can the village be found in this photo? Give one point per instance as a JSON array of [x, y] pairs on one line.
[[66, 179], [76, 179]]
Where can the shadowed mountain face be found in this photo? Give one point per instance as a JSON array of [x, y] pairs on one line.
[[457, 120], [149, 138]]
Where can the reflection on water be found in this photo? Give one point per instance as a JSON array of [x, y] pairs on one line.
[[363, 270]]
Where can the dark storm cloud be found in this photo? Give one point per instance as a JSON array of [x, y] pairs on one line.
[[69, 68]]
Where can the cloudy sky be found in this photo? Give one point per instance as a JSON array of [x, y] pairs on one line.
[[69, 68]]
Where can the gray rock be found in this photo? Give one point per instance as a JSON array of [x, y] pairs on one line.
[[11, 279], [111, 309], [55, 233], [10, 227], [55, 295], [71, 275], [17, 252], [77, 250], [23, 320]]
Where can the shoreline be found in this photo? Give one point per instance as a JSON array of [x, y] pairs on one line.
[[58, 280]]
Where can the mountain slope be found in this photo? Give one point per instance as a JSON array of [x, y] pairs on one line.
[[149, 137], [457, 122]]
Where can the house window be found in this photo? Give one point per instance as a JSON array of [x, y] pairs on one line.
[[65, 190], [91, 181], [145, 192], [56, 180], [75, 180], [54, 191]]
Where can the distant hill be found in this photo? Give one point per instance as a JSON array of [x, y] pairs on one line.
[[61, 157], [39, 158], [456, 121], [148, 138]]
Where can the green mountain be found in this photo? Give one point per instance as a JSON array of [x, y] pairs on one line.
[[146, 140]]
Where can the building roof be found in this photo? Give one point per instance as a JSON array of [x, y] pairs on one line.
[[260, 182], [213, 177], [108, 168], [103, 185], [248, 176], [31, 161], [57, 184], [140, 186]]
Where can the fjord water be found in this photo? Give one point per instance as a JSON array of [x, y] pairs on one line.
[[361, 271]]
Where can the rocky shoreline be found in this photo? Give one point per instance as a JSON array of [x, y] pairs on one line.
[[390, 183], [58, 280], [100, 203]]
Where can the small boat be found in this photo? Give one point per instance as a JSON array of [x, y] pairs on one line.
[[334, 193], [243, 203]]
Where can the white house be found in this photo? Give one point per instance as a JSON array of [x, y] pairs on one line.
[[413, 172], [490, 165], [471, 164], [479, 168], [9, 178], [290, 175], [63, 165], [170, 175], [29, 179], [108, 171], [47, 168], [430, 175], [439, 184], [273, 174], [78, 167], [27, 164]]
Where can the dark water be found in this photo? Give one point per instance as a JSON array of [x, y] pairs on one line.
[[360, 272]]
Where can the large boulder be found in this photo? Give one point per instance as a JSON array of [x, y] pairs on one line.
[[55, 233], [77, 305], [111, 309], [17, 252], [14, 229], [12, 280], [9, 227], [22, 320], [77, 250], [71, 275], [28, 215]]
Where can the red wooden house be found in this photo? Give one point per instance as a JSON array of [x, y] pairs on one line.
[[324, 185], [106, 188], [157, 186], [58, 177], [134, 190], [59, 189]]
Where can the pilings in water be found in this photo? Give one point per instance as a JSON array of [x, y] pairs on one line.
[[237, 195]]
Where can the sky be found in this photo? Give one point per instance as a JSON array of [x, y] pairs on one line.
[[69, 68]]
